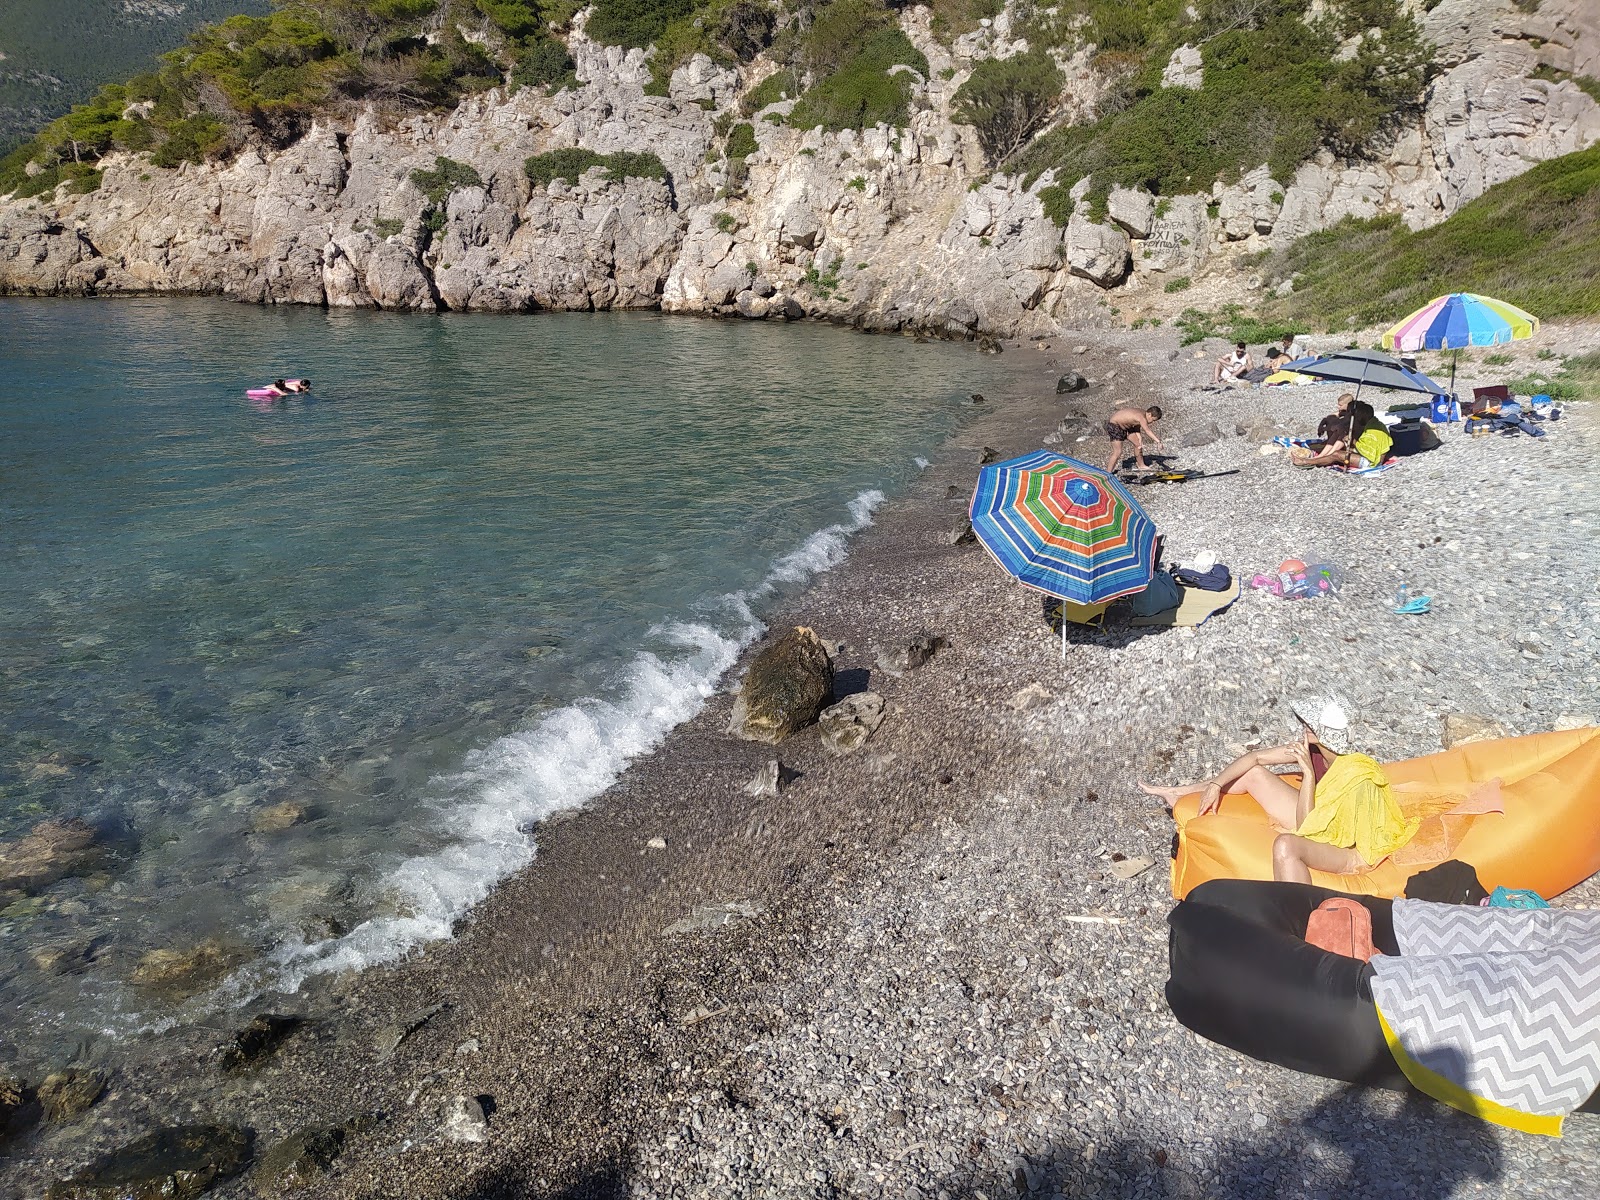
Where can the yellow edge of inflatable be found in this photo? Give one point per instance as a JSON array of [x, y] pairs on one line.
[[1458, 1097]]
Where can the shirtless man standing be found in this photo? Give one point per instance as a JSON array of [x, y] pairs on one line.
[[1130, 425]]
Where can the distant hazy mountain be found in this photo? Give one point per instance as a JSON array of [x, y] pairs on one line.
[[54, 53]]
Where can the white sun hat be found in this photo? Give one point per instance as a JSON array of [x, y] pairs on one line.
[[1204, 561], [1329, 719]]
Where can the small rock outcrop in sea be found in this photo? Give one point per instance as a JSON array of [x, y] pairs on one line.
[[51, 851], [176, 974], [847, 725], [298, 1159], [18, 1106], [1070, 382], [71, 1093], [259, 1040], [897, 660], [176, 1163], [785, 689]]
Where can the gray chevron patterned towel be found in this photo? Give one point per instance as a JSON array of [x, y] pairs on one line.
[[1495, 1011]]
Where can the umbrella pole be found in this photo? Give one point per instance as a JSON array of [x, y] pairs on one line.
[[1063, 629]]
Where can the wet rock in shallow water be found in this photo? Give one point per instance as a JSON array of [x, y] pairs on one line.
[[987, 345], [952, 492], [64, 959], [298, 1160], [177, 1163], [785, 688], [1070, 382], [70, 1093], [848, 724], [900, 659], [258, 1040], [51, 851], [180, 973], [18, 1108], [278, 816], [388, 1038]]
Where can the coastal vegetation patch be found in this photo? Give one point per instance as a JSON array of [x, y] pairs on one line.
[[1533, 241], [1281, 80], [569, 164], [59, 54], [264, 78]]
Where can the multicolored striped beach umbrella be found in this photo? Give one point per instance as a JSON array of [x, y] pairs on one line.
[[1459, 320], [1064, 527]]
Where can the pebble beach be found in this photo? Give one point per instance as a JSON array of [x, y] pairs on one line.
[[933, 967]]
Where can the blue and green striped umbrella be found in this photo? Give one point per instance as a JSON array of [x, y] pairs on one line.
[[1064, 527]]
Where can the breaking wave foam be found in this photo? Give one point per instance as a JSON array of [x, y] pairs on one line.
[[571, 756]]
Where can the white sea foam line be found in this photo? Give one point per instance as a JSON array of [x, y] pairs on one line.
[[573, 755]]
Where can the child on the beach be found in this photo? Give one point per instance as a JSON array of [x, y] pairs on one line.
[[1131, 425]]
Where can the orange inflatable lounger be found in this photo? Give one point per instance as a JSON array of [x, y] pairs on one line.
[[1545, 834]]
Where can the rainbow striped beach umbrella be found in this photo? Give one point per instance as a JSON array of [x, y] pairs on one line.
[[1459, 320], [1064, 527]]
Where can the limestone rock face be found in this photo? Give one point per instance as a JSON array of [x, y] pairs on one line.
[[1133, 209], [1184, 69], [787, 686], [1099, 253], [885, 229]]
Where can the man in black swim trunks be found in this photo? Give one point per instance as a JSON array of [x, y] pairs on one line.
[[1131, 425]]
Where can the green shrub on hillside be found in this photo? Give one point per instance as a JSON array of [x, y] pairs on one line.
[[742, 140], [1008, 100], [545, 63], [1271, 92], [850, 49], [447, 175], [266, 77], [780, 85], [634, 24], [1533, 241], [569, 164]]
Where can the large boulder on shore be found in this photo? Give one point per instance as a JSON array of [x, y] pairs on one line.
[[787, 686]]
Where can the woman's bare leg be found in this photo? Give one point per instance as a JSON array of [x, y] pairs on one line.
[[1294, 858]]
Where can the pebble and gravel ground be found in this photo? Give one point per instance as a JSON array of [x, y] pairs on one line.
[[933, 983]]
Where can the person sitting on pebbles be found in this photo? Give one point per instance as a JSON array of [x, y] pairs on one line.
[[1232, 365], [1131, 425], [1339, 817], [1333, 431]]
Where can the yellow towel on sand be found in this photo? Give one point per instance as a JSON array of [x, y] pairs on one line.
[[1354, 808]]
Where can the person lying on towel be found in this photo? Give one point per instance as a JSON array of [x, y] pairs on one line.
[[1341, 816]]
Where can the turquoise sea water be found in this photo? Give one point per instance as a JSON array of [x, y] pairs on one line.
[[450, 593]]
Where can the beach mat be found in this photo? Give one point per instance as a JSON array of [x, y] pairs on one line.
[[1197, 608]]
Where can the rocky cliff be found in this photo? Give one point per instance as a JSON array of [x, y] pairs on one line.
[[885, 229]]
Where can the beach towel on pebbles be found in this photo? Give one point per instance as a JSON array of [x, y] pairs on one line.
[[1495, 1011]]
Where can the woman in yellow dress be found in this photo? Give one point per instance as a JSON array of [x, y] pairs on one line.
[[1341, 818]]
